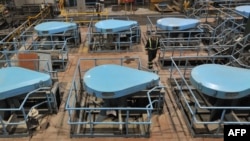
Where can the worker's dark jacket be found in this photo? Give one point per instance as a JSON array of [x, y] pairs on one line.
[[152, 44]]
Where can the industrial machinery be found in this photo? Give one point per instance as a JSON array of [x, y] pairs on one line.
[[47, 42], [208, 77], [113, 97], [177, 33], [235, 32], [27, 97], [6, 21], [13, 35], [14, 14], [203, 31], [164, 6], [53, 30], [211, 93], [226, 21], [52, 38], [54, 52], [114, 34]]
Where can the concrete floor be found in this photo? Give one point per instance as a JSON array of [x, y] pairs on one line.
[[162, 127], [168, 126]]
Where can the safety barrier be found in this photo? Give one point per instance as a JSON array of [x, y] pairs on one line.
[[196, 107], [113, 41], [22, 115], [84, 108]]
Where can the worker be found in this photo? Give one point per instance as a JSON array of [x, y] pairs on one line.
[[152, 47], [98, 8]]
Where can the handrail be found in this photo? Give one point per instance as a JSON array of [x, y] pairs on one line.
[[68, 15], [44, 13]]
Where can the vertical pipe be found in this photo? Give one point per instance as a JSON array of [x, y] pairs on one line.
[[247, 29]]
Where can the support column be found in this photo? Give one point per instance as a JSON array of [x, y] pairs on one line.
[[247, 29]]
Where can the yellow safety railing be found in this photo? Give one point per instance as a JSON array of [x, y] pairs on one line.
[[31, 19], [186, 4], [43, 14], [68, 15], [61, 5]]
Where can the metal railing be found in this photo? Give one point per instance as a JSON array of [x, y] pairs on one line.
[[15, 111], [83, 108], [56, 52], [17, 31], [196, 107], [113, 41]]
